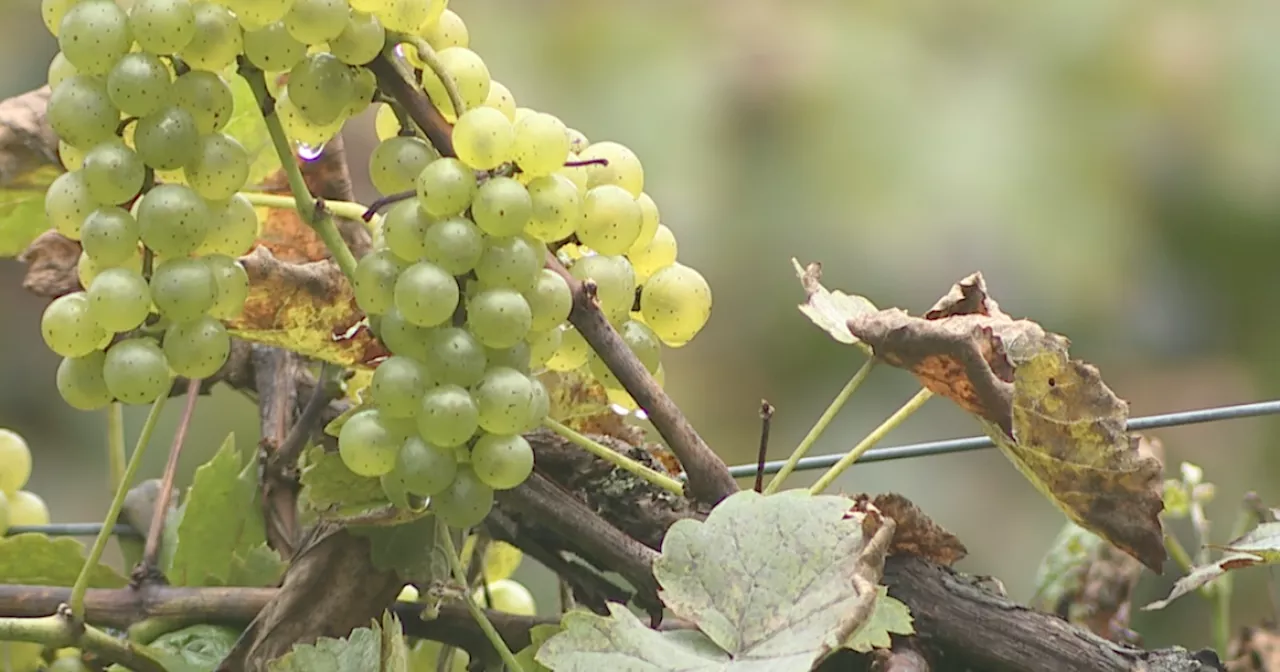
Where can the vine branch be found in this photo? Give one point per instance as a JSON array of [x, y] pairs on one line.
[[62, 630]]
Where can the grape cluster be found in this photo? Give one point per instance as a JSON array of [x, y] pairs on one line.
[[459, 293], [139, 102], [17, 506]]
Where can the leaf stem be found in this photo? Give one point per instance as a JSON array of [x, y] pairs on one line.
[[615, 458], [313, 212], [115, 444], [913, 404], [820, 426], [1178, 553], [345, 209], [100, 542], [460, 575], [59, 631], [151, 550]]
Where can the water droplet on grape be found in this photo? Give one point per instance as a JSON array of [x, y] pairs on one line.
[[308, 153]]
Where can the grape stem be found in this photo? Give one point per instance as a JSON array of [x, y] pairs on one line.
[[385, 201], [432, 61], [615, 458], [820, 426], [455, 565], [314, 212], [345, 209], [149, 569], [115, 444], [766, 422], [395, 83], [63, 630], [113, 512], [899, 416]]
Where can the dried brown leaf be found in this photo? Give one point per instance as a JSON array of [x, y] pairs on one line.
[[916, 534], [51, 265]]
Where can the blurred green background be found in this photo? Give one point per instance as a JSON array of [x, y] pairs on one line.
[[1111, 167]]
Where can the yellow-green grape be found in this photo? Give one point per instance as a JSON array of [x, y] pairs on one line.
[[94, 35], [454, 356], [375, 281], [80, 382], [515, 357], [446, 187], [511, 262], [300, 129], [466, 502], [207, 96], [404, 230], [316, 21], [87, 269], [15, 461], [80, 111], [136, 371], [234, 228], [502, 207], [367, 446], [448, 416], [611, 220], [272, 48], [394, 165], [408, 16], [173, 220], [615, 283], [120, 299], [404, 337], [426, 294], [397, 387], [649, 220], [542, 345], [642, 342], [360, 41], [321, 86], [254, 14], [676, 303], [483, 138], [27, 508], [549, 300], [59, 69], [470, 76], [220, 167], [162, 26], [448, 31], [501, 99], [425, 469], [364, 85], [183, 289], [385, 123], [197, 349], [575, 174], [577, 140], [572, 353], [167, 139], [71, 158], [623, 167], [502, 461], [231, 283], [139, 84], [218, 38], [522, 112], [655, 256], [541, 144], [557, 208], [454, 244], [498, 317], [69, 327], [408, 594], [53, 11], [68, 203], [507, 596]]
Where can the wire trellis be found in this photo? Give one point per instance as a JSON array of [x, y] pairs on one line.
[[1199, 416]]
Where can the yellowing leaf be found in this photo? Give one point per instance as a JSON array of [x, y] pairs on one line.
[[1204, 574], [28, 165], [830, 310]]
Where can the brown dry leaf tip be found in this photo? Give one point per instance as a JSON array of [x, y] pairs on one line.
[[51, 261], [26, 139], [1254, 650], [830, 310], [916, 534]]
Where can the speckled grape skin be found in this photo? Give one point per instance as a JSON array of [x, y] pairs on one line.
[[136, 371], [454, 244], [515, 357], [426, 295], [217, 41], [549, 300], [272, 48], [94, 35], [453, 355], [502, 207], [542, 345], [404, 229], [483, 138], [360, 41], [557, 208], [80, 382], [498, 317], [511, 262], [110, 236], [447, 416], [503, 396], [470, 73], [502, 461], [183, 289], [207, 96], [367, 446], [120, 299], [572, 352], [233, 228], [166, 140], [140, 84], [162, 26], [68, 326], [403, 337], [321, 86], [113, 172], [615, 283], [676, 303], [375, 281], [197, 349], [220, 167], [623, 169], [466, 502], [173, 220], [541, 144], [68, 203], [81, 113], [398, 385], [611, 220], [232, 284], [396, 162], [446, 187], [316, 21]]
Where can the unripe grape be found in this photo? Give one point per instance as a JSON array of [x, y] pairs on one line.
[[162, 26], [302, 130], [360, 41], [574, 351], [449, 31], [515, 357], [80, 382], [139, 84], [385, 123], [426, 295], [68, 203], [658, 254], [611, 220], [447, 416], [396, 162], [316, 21], [364, 85], [80, 110], [217, 40], [676, 303], [483, 138], [466, 502], [404, 230], [502, 461], [69, 327], [446, 187], [166, 139], [120, 299], [59, 69], [321, 86], [539, 405], [233, 230], [136, 371], [455, 356], [502, 207], [272, 48], [470, 74], [367, 446], [511, 262], [254, 14], [113, 172], [542, 345], [549, 301], [503, 397], [557, 208], [424, 469], [87, 269], [499, 317], [501, 99], [173, 220], [52, 12], [197, 349], [649, 220], [220, 167], [375, 281], [510, 597], [183, 289], [15, 456], [623, 168], [94, 35], [207, 96], [398, 385], [540, 145], [615, 283], [409, 15], [454, 244]]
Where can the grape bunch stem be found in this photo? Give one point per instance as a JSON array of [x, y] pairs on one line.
[[444, 535], [345, 209]]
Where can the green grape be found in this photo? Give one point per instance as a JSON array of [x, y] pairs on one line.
[[68, 664], [426, 294], [183, 289], [542, 345], [197, 349], [649, 220], [498, 317], [364, 86], [52, 11], [72, 158], [94, 35], [370, 5], [139, 84], [87, 269], [120, 299], [233, 230], [659, 253], [454, 244], [162, 26], [80, 110], [254, 14], [573, 352], [447, 416], [502, 461], [231, 283], [398, 385], [454, 356], [540, 145], [515, 357], [549, 300], [539, 405], [483, 138], [507, 595], [81, 384], [69, 327], [503, 397], [360, 41], [403, 337], [396, 162], [577, 140], [511, 262], [321, 87], [316, 21], [615, 283], [502, 207], [136, 371], [623, 168], [449, 31], [15, 456], [375, 281], [207, 96], [167, 139], [425, 469], [220, 167], [173, 220], [611, 220], [470, 75], [217, 39], [385, 123], [404, 230], [642, 342], [67, 204], [466, 502], [676, 303], [113, 172], [557, 207], [446, 187], [59, 69], [272, 48], [367, 446], [408, 15], [501, 99], [27, 509], [300, 129]]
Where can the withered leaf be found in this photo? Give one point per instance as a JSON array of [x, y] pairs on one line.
[[1206, 574], [1088, 582], [830, 310], [51, 265], [916, 534], [28, 165]]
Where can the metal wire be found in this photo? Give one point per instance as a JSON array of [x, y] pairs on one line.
[[824, 461]]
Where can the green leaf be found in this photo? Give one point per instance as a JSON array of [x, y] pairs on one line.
[[395, 653], [890, 616], [830, 310], [200, 647], [621, 643], [247, 126], [538, 635], [28, 165], [1061, 572], [328, 482], [22, 209], [38, 560], [257, 567], [364, 650], [408, 549], [220, 518]]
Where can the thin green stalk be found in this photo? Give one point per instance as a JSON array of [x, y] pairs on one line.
[[319, 220], [115, 444], [820, 426], [1178, 553], [100, 543], [616, 459], [872, 439], [1222, 614], [345, 209], [460, 575]]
